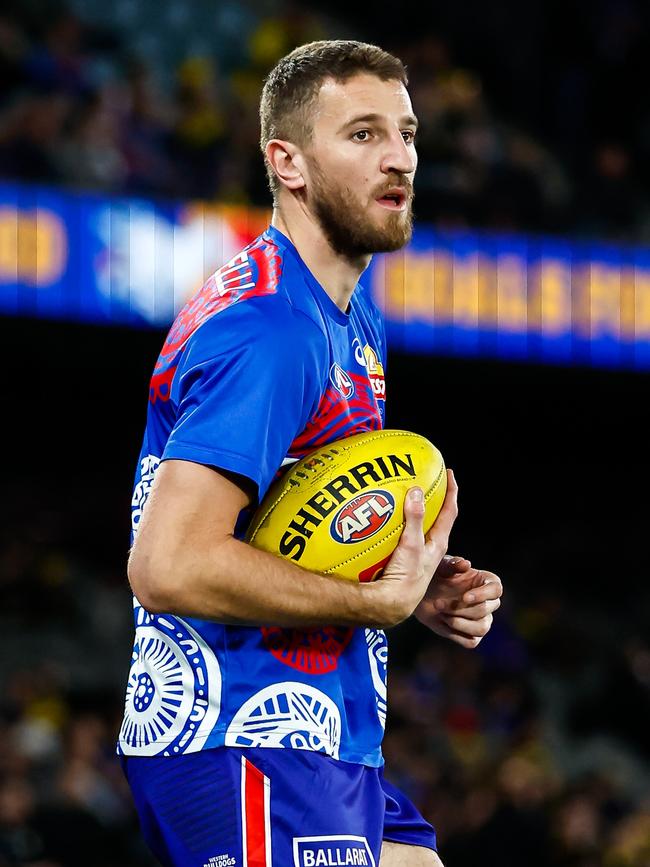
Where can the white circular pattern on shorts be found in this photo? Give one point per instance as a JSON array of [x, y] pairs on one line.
[[378, 656], [173, 691], [288, 714]]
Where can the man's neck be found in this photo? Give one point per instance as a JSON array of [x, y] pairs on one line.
[[337, 274]]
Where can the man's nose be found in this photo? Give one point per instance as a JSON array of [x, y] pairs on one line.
[[399, 157]]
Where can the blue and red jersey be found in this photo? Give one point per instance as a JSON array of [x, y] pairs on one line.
[[259, 369]]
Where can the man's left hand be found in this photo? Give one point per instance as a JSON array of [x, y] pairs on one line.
[[460, 601]]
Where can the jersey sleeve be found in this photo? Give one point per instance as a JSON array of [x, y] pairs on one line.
[[245, 387]]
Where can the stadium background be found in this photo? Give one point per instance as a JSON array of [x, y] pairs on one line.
[[534, 152]]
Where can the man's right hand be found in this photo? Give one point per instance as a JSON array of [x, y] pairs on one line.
[[416, 558]]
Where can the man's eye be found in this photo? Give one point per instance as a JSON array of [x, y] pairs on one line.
[[362, 135], [409, 136]]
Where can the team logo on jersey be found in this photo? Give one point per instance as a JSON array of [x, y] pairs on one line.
[[341, 381], [342, 850], [362, 517], [375, 372]]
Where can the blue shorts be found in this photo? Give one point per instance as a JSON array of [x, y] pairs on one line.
[[228, 807]]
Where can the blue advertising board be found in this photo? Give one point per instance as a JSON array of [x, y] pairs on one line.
[[131, 261]]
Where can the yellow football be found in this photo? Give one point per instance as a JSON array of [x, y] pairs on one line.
[[340, 510]]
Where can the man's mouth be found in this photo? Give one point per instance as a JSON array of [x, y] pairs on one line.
[[394, 200]]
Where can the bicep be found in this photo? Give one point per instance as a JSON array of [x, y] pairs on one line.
[[190, 506]]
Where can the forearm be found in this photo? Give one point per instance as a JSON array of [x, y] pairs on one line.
[[235, 583], [186, 561]]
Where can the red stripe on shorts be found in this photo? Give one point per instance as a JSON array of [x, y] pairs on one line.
[[256, 819]]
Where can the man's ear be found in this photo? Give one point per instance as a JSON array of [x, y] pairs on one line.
[[287, 162]]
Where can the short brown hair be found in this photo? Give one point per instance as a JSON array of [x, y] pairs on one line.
[[292, 87]]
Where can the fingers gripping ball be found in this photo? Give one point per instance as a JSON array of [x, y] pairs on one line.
[[341, 509]]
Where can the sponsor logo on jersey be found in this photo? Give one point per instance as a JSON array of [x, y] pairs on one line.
[[343, 851], [368, 474], [362, 517], [375, 372], [358, 352], [341, 381]]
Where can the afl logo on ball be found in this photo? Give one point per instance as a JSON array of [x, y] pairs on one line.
[[362, 517], [341, 381]]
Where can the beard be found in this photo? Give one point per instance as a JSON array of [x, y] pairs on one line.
[[348, 227]]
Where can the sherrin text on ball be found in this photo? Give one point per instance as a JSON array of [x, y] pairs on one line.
[[340, 510]]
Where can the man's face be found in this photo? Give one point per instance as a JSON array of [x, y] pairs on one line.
[[361, 162]]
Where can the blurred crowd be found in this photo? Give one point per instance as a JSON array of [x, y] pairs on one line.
[[513, 757], [531, 750], [548, 132]]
